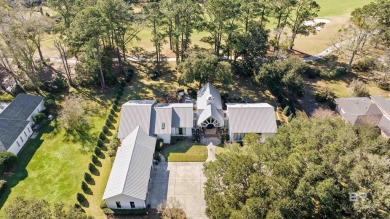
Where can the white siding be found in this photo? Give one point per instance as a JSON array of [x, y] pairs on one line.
[[165, 137], [14, 147], [37, 110], [187, 132], [125, 202]]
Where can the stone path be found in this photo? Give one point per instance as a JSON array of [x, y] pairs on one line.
[[211, 149]]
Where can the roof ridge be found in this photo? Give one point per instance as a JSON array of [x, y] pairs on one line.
[[131, 158]]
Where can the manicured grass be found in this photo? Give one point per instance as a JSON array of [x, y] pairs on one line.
[[185, 151], [337, 7], [52, 166]]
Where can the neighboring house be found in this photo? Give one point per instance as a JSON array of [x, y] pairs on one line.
[[365, 110], [127, 186], [16, 122], [206, 117]]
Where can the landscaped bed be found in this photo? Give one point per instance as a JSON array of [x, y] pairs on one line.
[[185, 151]]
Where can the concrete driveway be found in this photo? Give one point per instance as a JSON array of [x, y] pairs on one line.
[[182, 181]]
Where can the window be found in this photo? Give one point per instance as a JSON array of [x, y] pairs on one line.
[[181, 131], [163, 125], [132, 205], [118, 204], [17, 142], [29, 129], [21, 139], [25, 134], [238, 136]]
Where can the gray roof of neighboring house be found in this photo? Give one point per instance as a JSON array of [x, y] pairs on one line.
[[208, 94], [384, 125], [21, 107], [130, 173], [382, 102], [210, 111], [9, 132], [358, 106], [251, 118], [134, 113]]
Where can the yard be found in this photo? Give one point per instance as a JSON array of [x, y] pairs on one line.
[[185, 151], [52, 165]]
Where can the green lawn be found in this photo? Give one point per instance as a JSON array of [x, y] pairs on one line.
[[330, 8], [52, 166], [185, 151]]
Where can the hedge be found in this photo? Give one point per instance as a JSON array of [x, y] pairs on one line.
[[88, 177], [140, 211], [80, 197], [84, 186], [7, 161], [100, 143], [108, 122], [102, 136], [105, 129], [3, 185], [110, 117]]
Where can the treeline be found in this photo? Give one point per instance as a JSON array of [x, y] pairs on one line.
[[97, 33]]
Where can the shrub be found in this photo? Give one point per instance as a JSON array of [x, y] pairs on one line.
[[110, 117], [114, 143], [324, 94], [95, 159], [325, 74], [156, 156], [103, 204], [129, 74], [120, 92], [112, 112], [50, 97], [135, 211], [80, 197], [341, 71], [84, 186], [7, 161], [102, 136], [385, 85], [88, 177], [107, 211], [286, 110], [359, 89], [116, 102], [111, 153], [108, 122], [105, 129], [115, 107], [159, 144], [100, 143], [91, 167], [3, 185], [117, 97], [290, 117], [98, 151], [123, 83], [38, 118], [56, 85], [365, 64], [50, 104], [312, 73], [332, 105]]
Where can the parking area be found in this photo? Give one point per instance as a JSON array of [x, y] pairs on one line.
[[182, 181]]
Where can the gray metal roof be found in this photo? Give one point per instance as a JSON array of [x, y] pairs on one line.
[[382, 102], [134, 113], [358, 106], [183, 116], [21, 107], [251, 118], [163, 121], [208, 95], [9, 131], [210, 111], [130, 173], [384, 125]]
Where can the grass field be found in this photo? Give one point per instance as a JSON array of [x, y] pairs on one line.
[[331, 8], [185, 151], [52, 166]]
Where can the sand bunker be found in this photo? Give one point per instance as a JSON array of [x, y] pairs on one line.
[[317, 21]]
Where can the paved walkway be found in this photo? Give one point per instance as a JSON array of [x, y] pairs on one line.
[[211, 149]]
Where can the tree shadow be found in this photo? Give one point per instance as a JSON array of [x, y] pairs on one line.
[[94, 171], [24, 158], [104, 148], [96, 161]]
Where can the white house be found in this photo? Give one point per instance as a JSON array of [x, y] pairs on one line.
[[127, 186], [16, 121], [207, 117]]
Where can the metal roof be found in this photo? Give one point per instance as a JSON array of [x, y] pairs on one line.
[[134, 113], [208, 95], [182, 115], [9, 132], [21, 107], [163, 121], [384, 125], [210, 111], [130, 173], [251, 118]]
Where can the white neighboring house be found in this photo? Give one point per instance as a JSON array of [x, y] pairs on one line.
[[127, 186], [16, 122], [208, 117]]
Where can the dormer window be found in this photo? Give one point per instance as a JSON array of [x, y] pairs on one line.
[[163, 125]]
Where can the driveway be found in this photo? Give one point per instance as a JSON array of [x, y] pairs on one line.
[[182, 181]]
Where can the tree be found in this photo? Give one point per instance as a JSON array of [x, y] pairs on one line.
[[87, 31], [24, 208], [305, 10], [171, 209], [155, 19], [306, 171], [359, 89], [203, 66], [72, 114]]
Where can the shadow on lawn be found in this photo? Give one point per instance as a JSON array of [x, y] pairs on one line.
[[24, 159]]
